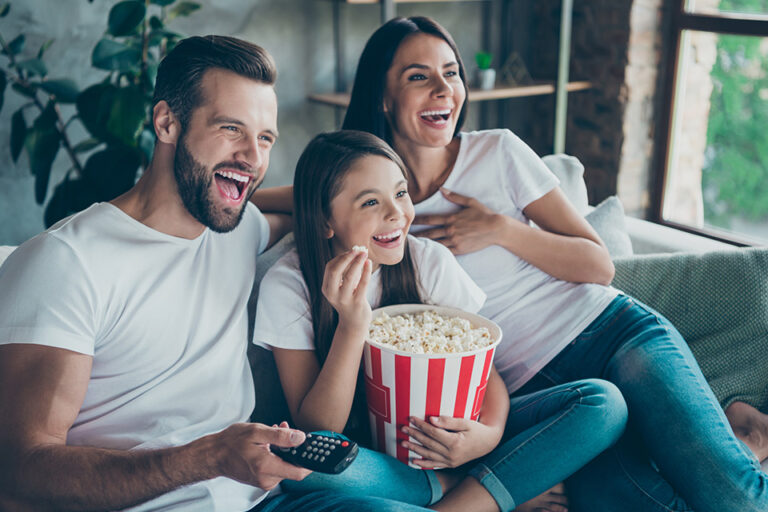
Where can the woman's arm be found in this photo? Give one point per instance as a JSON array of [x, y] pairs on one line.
[[565, 247], [274, 199], [321, 398]]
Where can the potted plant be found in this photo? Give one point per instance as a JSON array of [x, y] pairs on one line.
[[486, 75], [115, 112]]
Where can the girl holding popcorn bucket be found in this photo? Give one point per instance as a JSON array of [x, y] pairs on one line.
[[353, 252], [547, 285]]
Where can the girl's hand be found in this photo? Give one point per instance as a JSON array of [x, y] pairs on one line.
[[446, 442], [345, 284], [472, 228]]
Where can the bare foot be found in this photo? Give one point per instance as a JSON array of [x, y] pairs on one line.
[[751, 426], [553, 500]]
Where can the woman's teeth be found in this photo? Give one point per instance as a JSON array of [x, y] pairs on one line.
[[436, 116]]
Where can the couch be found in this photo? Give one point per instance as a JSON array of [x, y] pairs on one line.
[[715, 294]]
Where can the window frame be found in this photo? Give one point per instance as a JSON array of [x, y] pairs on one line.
[[681, 20]]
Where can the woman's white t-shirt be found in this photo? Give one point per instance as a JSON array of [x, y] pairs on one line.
[[284, 318], [538, 314]]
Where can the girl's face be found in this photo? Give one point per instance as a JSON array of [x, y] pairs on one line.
[[372, 209], [424, 92]]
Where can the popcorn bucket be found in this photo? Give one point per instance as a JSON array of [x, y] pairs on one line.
[[400, 384]]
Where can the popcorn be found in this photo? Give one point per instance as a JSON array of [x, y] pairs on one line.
[[359, 248], [428, 332]]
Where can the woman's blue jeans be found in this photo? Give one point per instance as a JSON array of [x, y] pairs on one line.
[[678, 453], [550, 434]]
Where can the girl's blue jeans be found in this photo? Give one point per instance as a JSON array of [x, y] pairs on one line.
[[678, 452], [550, 434]]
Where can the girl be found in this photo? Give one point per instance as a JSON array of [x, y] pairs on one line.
[[314, 307], [548, 288]]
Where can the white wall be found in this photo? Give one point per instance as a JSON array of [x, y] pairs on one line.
[[297, 32]]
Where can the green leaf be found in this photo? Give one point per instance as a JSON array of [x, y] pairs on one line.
[[34, 67], [162, 2], [43, 48], [86, 145], [42, 143], [69, 196], [113, 56], [17, 45], [125, 16], [18, 133], [5, 9], [94, 106], [182, 9], [64, 89], [3, 84], [112, 171], [126, 117], [28, 91], [155, 23]]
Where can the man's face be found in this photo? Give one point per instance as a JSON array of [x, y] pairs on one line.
[[223, 153]]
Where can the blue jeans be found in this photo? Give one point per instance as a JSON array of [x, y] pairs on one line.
[[549, 435], [679, 452], [329, 501]]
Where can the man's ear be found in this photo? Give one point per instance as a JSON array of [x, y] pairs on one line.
[[165, 122]]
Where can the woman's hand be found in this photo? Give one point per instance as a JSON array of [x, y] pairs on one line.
[[345, 284], [446, 442], [472, 228]]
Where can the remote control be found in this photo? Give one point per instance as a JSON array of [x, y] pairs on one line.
[[325, 452]]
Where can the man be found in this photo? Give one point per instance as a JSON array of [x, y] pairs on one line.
[[123, 373]]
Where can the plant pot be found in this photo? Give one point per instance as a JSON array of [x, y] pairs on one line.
[[486, 78]]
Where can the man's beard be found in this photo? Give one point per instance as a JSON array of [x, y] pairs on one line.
[[195, 182]]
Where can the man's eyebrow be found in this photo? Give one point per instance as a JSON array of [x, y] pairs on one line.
[[423, 66]]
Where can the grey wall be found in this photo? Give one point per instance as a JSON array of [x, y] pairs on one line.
[[297, 32]]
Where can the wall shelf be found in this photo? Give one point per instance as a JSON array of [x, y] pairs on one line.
[[499, 93]]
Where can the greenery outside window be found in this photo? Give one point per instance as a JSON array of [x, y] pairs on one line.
[[714, 158]]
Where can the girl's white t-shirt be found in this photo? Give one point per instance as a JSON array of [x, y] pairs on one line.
[[284, 318], [538, 314]]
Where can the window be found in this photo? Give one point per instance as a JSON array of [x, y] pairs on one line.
[[715, 165]]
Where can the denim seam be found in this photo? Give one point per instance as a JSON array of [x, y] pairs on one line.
[[643, 492], [498, 491]]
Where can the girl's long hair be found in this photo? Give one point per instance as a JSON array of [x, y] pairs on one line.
[[366, 105], [319, 176]]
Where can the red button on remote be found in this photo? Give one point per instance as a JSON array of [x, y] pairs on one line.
[[345, 443]]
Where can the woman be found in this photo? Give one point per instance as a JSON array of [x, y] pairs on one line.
[[548, 288]]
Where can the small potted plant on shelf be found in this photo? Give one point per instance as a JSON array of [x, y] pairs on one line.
[[486, 75]]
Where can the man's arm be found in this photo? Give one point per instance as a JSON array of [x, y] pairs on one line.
[[41, 391], [274, 199], [279, 225]]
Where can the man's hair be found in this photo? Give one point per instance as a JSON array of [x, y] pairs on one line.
[[366, 106], [182, 70]]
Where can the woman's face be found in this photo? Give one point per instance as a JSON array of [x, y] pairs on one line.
[[424, 92], [373, 210]]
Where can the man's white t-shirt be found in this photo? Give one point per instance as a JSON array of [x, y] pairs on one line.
[[284, 316], [538, 314], [166, 322]]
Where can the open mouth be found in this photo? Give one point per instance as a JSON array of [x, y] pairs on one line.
[[231, 184], [436, 117], [388, 239]]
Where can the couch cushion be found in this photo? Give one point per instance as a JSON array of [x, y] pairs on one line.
[[608, 220], [570, 172], [5, 251]]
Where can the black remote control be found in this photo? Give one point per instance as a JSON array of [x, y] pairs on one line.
[[322, 451]]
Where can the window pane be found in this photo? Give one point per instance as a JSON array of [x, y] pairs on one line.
[[717, 173], [727, 6]]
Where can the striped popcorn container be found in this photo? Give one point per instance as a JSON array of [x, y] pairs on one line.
[[401, 384]]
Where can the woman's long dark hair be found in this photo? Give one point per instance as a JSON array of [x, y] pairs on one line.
[[319, 177], [366, 106]]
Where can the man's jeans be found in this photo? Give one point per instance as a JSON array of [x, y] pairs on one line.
[[678, 453], [329, 501], [549, 435]]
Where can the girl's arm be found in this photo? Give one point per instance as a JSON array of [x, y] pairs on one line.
[[565, 247], [444, 441], [321, 398], [274, 199]]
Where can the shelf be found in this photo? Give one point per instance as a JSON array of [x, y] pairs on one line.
[[342, 99]]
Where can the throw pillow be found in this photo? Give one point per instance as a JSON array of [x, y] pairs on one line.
[[608, 220], [570, 172]]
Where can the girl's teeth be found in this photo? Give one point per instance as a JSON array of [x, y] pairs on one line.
[[436, 113]]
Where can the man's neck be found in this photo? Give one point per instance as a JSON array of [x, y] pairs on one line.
[[155, 202]]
